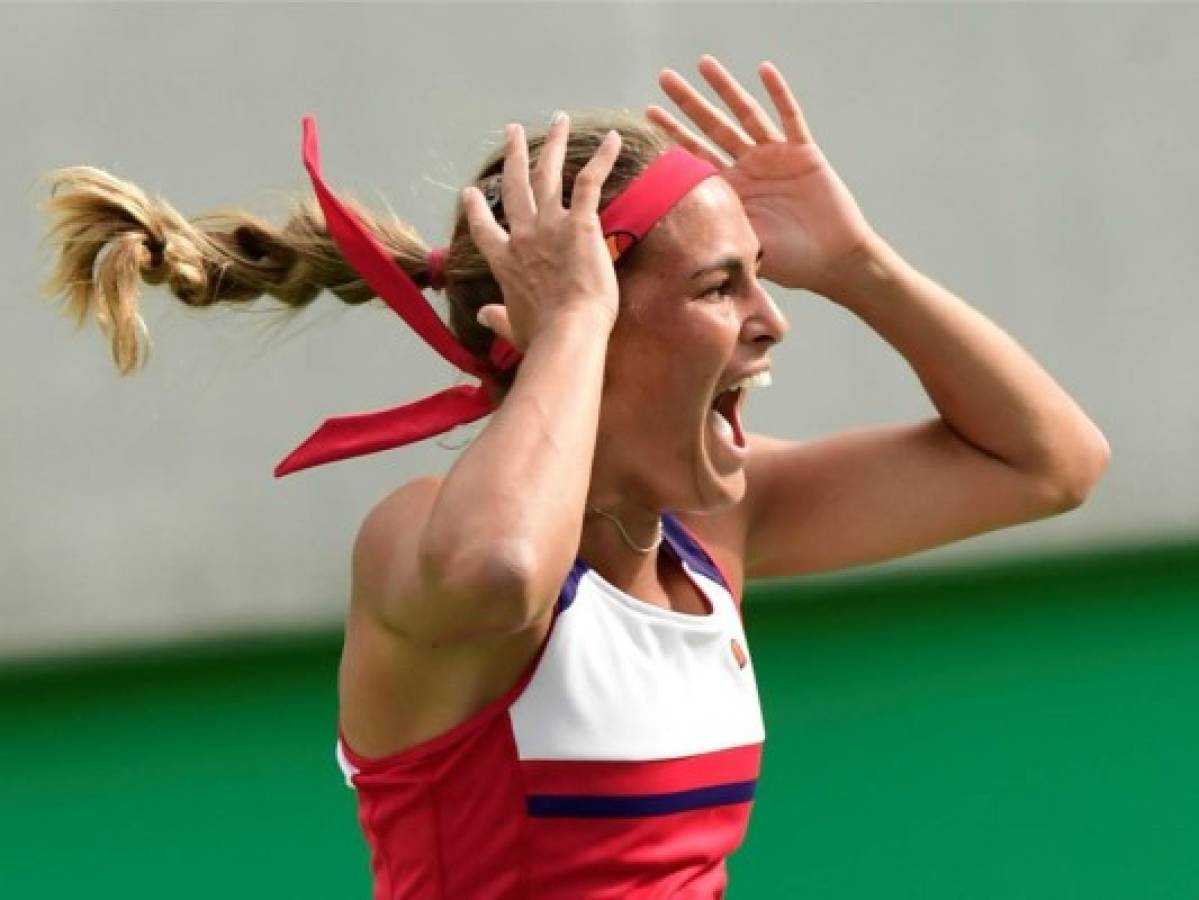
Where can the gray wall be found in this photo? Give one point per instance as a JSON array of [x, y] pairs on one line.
[[1037, 160]]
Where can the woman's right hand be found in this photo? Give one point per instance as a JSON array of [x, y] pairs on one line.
[[552, 260]]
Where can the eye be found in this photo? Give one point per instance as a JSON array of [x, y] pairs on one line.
[[718, 290]]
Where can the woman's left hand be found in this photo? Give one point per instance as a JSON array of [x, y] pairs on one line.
[[803, 214]]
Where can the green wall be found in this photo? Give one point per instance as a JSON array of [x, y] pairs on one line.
[[1026, 730]]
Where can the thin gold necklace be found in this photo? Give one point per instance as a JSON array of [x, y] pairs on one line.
[[650, 549]]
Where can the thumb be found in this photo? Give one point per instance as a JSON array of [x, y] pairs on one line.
[[495, 317]]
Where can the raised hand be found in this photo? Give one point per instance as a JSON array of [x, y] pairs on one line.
[[551, 259], [801, 211]]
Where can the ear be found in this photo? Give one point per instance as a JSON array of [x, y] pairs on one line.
[[495, 317]]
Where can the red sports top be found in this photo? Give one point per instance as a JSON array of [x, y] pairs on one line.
[[621, 765]]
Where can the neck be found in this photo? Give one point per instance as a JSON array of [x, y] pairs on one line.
[[608, 551]]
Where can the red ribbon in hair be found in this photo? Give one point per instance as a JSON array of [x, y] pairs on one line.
[[626, 220]]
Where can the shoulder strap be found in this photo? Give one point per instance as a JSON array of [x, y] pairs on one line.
[[689, 548], [570, 586]]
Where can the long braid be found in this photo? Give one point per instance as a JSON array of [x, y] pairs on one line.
[[113, 236]]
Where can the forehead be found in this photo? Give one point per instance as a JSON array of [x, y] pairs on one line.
[[708, 222]]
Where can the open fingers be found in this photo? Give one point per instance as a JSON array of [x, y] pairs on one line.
[[547, 180], [514, 185], [714, 123], [684, 137], [747, 109], [794, 125], [488, 236], [585, 195]]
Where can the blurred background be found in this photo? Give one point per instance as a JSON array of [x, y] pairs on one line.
[[1009, 716]]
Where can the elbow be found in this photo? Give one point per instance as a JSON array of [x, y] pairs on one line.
[[1078, 476], [471, 596]]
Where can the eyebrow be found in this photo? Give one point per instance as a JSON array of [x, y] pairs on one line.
[[731, 263]]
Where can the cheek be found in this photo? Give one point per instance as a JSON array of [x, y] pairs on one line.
[[661, 369]]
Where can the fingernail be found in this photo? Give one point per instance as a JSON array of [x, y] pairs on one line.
[[558, 116]]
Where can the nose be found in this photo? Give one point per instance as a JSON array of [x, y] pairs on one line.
[[765, 322]]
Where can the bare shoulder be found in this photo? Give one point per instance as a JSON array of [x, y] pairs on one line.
[[394, 692], [385, 549]]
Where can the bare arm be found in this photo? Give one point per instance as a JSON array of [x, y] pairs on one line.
[[522, 484], [507, 522], [1010, 446], [987, 388]]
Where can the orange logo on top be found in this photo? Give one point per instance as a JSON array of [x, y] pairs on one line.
[[738, 653]]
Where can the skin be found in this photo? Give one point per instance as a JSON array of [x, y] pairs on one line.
[[1008, 445], [651, 454], [675, 341]]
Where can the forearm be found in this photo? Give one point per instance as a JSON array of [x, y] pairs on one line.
[[985, 386], [515, 496]]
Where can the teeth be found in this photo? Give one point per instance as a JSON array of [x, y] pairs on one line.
[[762, 379], [722, 425]]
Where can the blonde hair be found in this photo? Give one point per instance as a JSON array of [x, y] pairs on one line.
[[112, 235]]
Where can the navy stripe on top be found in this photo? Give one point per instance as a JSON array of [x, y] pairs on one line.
[[685, 547], [615, 805], [570, 587], [680, 542]]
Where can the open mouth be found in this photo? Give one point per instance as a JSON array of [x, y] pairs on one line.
[[727, 406]]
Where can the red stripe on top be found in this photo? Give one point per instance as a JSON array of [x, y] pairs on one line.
[[643, 776], [680, 856]]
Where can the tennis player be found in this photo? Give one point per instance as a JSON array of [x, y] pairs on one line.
[[546, 690]]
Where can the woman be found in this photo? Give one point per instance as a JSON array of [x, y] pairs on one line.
[[545, 687]]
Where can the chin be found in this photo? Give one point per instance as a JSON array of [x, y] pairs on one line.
[[732, 494], [714, 491], [685, 479]]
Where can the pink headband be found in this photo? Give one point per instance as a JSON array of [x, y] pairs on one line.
[[626, 220]]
